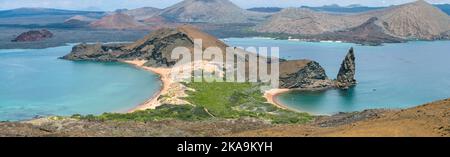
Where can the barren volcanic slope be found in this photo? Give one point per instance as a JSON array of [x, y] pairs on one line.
[[155, 47], [426, 120], [413, 20], [210, 11], [306, 21], [142, 13], [117, 21]]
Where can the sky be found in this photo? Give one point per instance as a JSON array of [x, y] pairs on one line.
[[109, 5]]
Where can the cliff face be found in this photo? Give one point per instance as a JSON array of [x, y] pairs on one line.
[[96, 52], [34, 35], [346, 76], [303, 74], [156, 47], [306, 74]]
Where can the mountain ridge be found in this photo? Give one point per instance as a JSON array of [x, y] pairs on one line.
[[417, 20]]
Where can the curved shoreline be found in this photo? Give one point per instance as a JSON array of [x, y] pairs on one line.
[[152, 102], [271, 96]]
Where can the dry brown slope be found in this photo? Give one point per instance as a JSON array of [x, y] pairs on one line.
[[431, 119], [209, 11], [306, 21], [416, 20], [117, 21]]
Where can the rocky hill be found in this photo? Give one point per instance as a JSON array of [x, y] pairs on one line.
[[117, 21], [306, 21], [210, 11], [155, 47], [33, 35], [417, 20], [141, 13], [79, 20]]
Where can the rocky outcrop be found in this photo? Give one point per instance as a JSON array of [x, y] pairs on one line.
[[156, 47], [96, 52], [33, 35], [346, 75], [304, 74], [309, 75]]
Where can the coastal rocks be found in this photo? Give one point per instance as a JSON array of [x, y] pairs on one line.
[[95, 52], [33, 35], [303, 74], [346, 75], [309, 75], [156, 47]]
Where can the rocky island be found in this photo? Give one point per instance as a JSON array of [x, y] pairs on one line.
[[33, 35], [155, 51], [309, 75], [412, 21]]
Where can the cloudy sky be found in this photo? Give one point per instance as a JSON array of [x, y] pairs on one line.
[[116, 4]]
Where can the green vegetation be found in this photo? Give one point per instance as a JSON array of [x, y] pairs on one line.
[[218, 100], [164, 112]]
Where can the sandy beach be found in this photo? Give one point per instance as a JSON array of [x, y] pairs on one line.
[[164, 73], [152, 102], [270, 95]]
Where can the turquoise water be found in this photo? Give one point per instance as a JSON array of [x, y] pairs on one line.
[[390, 76], [35, 82]]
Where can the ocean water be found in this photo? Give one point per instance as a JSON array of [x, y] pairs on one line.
[[391, 76], [36, 83]]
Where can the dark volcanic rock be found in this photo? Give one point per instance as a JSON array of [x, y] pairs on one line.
[[346, 76], [303, 74], [156, 47], [96, 52], [33, 35], [309, 75]]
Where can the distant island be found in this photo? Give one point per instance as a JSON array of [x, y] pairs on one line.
[[33, 35], [221, 18]]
